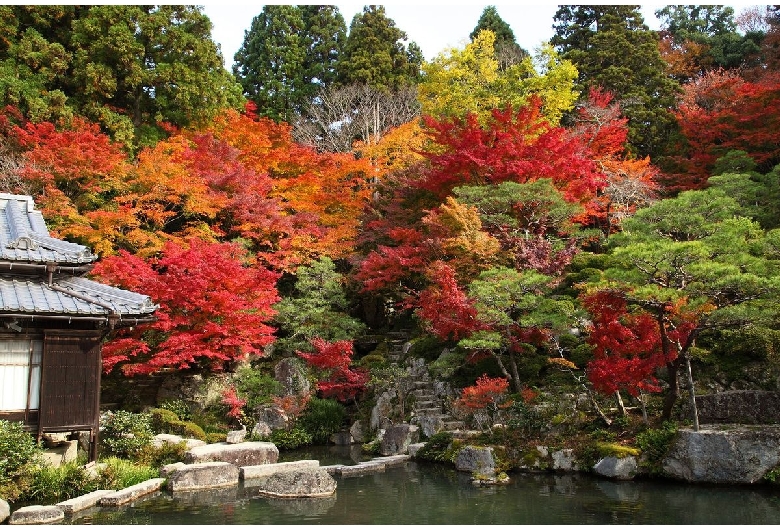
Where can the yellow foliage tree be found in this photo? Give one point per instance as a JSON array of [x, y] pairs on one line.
[[458, 82]]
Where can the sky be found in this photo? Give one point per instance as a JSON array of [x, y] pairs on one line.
[[435, 27]]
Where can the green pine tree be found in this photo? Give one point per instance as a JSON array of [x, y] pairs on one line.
[[613, 49]]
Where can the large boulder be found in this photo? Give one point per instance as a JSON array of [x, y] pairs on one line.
[[82, 502], [382, 411], [617, 468], [132, 493], [477, 460], [291, 373], [304, 482], [5, 510], [564, 460], [255, 472], [724, 454], [397, 438], [203, 476], [272, 416], [240, 455]]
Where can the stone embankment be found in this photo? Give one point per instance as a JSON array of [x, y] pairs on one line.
[[262, 475]]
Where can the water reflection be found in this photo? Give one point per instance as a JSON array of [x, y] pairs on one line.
[[433, 494]]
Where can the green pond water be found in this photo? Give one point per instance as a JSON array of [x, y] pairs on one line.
[[429, 494]]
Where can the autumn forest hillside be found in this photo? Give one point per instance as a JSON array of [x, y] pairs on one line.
[[604, 209]]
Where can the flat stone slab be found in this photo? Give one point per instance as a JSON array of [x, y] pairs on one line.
[[240, 455], [305, 482], [83, 502], [263, 470], [164, 438], [363, 468], [37, 514], [203, 476], [390, 461], [133, 492]]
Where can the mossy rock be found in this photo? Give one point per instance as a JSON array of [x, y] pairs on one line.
[[373, 360], [618, 451]]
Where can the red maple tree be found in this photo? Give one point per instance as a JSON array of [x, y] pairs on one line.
[[337, 379], [213, 308]]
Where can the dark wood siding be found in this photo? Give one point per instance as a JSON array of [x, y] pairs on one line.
[[70, 382]]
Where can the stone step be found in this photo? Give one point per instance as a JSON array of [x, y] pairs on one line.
[[131, 493], [429, 411], [83, 502]]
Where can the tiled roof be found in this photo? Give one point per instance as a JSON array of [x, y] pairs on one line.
[[69, 296], [25, 238], [25, 245]]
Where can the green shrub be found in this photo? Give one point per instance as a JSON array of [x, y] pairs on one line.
[[167, 453], [372, 447], [256, 387], [52, 484], [166, 421], [321, 419], [125, 434], [655, 443], [524, 419], [215, 437], [427, 347], [119, 473], [438, 448], [372, 361], [178, 407], [161, 419], [19, 459], [292, 439]]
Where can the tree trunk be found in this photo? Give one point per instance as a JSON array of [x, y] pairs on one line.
[[693, 393], [673, 393], [620, 403], [515, 373], [644, 407], [503, 369]]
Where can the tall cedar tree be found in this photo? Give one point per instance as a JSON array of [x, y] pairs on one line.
[[374, 52], [614, 50], [507, 50], [35, 59], [136, 66], [288, 54]]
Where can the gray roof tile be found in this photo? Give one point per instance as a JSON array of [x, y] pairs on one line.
[[25, 238], [75, 296]]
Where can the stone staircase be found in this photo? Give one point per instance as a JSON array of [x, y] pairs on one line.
[[430, 407], [431, 398]]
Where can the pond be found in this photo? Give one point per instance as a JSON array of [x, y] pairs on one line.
[[422, 493]]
